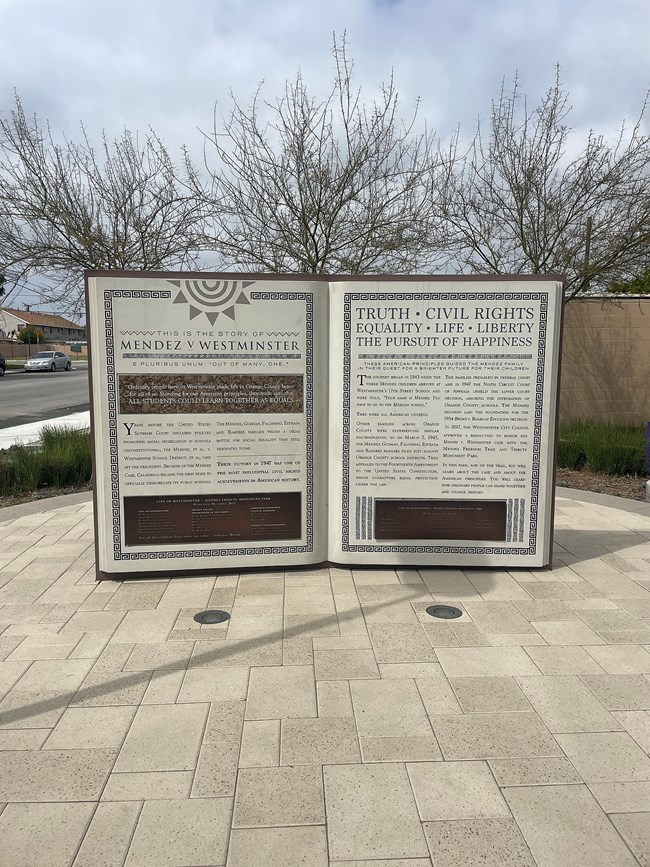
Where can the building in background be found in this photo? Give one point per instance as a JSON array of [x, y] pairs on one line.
[[55, 329]]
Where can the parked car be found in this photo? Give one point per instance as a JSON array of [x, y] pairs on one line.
[[3, 365], [48, 360]]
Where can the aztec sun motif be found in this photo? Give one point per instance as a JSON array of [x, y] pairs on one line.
[[212, 297]]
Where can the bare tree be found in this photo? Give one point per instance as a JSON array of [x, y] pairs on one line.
[[516, 201], [321, 186], [67, 206]]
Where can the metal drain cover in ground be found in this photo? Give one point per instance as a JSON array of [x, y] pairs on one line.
[[445, 612], [213, 616]]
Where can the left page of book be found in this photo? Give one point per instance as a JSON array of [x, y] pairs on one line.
[[206, 420]]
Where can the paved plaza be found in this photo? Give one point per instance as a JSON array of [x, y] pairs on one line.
[[331, 720]]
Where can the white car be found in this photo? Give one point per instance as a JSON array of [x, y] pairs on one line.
[[48, 361]]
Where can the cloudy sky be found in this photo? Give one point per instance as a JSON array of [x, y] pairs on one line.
[[164, 63]]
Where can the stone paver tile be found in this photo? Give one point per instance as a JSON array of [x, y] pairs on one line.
[[493, 736], [308, 600], [244, 627], [390, 612], [371, 813], [107, 839], [441, 635], [54, 775], [186, 592], [564, 825], [42, 835], [438, 696], [8, 643], [621, 691], [188, 832], [64, 676], [311, 624], [33, 650], [622, 659], [90, 645], [212, 654], [275, 692], [477, 843], [23, 739], [496, 617], [634, 828], [389, 708], [162, 655], [89, 728], [489, 694], [32, 710], [342, 642], [153, 742], [563, 660], [400, 670], [606, 757], [495, 585], [94, 621], [225, 722], [148, 786], [10, 674], [547, 771], [470, 635], [345, 664], [214, 684], [637, 724], [326, 741], [545, 609], [551, 590], [106, 688], [216, 771], [334, 698], [279, 796], [297, 651], [260, 744], [112, 658], [566, 704], [304, 846], [610, 619], [456, 790], [567, 632], [404, 749], [145, 626], [482, 661], [136, 596], [400, 642], [626, 636], [638, 607], [622, 797], [164, 687], [257, 585]]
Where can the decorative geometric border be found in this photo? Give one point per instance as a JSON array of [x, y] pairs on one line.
[[542, 297], [111, 390]]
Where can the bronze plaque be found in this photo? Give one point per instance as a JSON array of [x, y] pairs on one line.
[[205, 518], [469, 520], [171, 393]]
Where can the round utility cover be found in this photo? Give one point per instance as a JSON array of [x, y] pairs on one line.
[[212, 616], [445, 612]]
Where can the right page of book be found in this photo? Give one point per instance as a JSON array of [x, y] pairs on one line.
[[443, 399]]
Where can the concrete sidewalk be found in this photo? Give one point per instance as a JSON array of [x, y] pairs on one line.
[[330, 720]]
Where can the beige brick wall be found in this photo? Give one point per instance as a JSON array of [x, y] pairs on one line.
[[606, 361]]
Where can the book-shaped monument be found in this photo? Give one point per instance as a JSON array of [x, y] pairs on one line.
[[277, 421]]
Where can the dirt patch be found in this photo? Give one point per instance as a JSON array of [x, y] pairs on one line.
[[42, 494], [629, 487]]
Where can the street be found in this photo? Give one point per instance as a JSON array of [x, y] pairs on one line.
[[28, 397]]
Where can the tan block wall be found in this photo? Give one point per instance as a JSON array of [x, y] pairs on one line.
[[606, 361]]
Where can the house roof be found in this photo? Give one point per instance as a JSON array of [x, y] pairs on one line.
[[36, 318]]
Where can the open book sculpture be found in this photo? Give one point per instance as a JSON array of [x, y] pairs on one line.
[[276, 421]]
